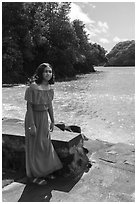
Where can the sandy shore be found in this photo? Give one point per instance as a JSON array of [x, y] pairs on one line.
[[101, 103]]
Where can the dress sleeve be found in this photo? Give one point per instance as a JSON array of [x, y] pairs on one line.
[[28, 95]]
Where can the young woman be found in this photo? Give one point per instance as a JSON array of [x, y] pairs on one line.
[[41, 158]]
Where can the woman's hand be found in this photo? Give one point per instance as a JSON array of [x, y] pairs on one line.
[[51, 127], [32, 130]]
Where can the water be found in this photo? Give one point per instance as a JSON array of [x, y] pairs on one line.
[[101, 103]]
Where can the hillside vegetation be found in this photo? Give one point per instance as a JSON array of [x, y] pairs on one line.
[[37, 32], [122, 54]]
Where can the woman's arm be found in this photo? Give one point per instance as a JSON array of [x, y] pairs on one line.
[[51, 114], [32, 126], [30, 111]]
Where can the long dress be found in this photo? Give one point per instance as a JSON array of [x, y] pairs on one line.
[[41, 158]]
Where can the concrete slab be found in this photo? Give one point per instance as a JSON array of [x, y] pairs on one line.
[[67, 144], [13, 126], [120, 156], [111, 179], [12, 192], [103, 183]]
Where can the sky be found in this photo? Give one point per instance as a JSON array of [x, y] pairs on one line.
[[107, 23]]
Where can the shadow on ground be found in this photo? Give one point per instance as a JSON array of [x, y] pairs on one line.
[[111, 179], [35, 193]]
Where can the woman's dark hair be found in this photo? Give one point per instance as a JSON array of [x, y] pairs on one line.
[[38, 76]]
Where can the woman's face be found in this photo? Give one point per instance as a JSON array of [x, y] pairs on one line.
[[47, 73]]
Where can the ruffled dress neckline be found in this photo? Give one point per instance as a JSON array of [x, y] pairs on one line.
[[34, 86], [38, 96]]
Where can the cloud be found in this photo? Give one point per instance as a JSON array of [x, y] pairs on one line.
[[84, 4], [93, 6], [117, 39], [103, 26], [98, 28], [77, 13], [92, 27], [104, 40]]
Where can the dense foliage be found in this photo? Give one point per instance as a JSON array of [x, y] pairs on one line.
[[38, 32], [122, 54]]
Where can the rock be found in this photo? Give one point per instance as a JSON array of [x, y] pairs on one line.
[[70, 128], [68, 145]]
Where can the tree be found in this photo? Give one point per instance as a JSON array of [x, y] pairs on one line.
[[37, 32], [122, 54], [12, 59], [98, 54]]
